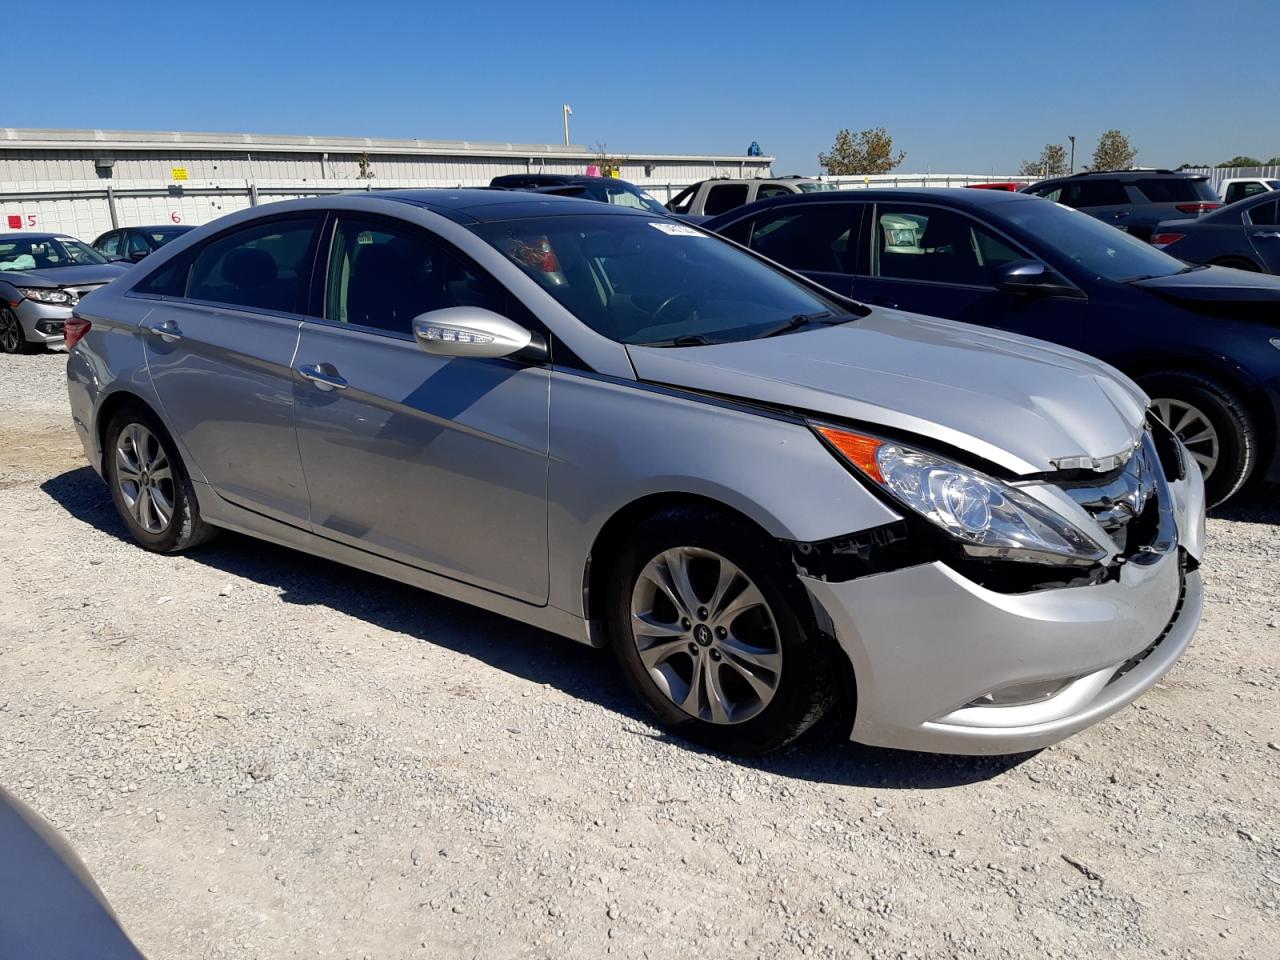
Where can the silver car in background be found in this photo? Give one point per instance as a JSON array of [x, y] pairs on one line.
[[620, 428], [42, 277]]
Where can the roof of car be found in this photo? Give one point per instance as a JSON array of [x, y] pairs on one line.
[[951, 196], [27, 235], [481, 205], [1123, 175]]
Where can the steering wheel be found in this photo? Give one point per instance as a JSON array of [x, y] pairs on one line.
[[674, 299]]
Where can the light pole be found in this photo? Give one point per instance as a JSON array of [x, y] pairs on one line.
[[1073, 153], [568, 112]]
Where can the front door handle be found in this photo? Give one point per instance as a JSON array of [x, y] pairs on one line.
[[1266, 235], [168, 331], [324, 375]]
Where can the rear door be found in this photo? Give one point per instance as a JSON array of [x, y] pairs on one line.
[[439, 462], [941, 262], [220, 343], [1263, 228]]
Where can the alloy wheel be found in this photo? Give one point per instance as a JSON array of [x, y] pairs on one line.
[[1193, 428], [706, 635], [145, 478], [10, 331]]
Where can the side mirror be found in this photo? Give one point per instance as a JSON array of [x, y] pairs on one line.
[[136, 257], [1035, 278], [474, 332]]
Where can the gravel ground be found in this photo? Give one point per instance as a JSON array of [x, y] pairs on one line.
[[263, 755]]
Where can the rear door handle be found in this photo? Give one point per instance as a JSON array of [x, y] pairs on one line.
[[168, 331], [324, 375]]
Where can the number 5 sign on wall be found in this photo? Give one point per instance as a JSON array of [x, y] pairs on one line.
[[15, 221]]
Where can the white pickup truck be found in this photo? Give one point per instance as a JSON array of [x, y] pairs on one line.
[[708, 198], [1237, 188]]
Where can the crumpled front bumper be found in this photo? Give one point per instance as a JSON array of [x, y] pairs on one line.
[[928, 646], [42, 322]]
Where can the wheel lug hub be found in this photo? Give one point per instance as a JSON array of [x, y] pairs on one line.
[[721, 632], [702, 613], [693, 649], [715, 655], [685, 623]]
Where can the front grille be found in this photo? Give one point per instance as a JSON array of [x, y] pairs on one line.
[[84, 290], [1128, 502]]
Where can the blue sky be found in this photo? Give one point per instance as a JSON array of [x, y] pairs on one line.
[[962, 87]]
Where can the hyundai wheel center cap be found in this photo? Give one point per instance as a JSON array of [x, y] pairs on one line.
[[702, 633]]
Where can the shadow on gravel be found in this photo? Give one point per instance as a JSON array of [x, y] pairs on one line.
[[1259, 504], [825, 755]]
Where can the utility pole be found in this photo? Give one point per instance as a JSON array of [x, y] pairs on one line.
[[568, 112], [1073, 154]]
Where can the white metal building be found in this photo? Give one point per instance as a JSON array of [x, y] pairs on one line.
[[84, 182]]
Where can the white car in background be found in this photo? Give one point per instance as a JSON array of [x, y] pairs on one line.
[[710, 198], [1237, 188]]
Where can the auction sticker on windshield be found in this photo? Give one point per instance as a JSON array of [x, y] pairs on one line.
[[678, 230]]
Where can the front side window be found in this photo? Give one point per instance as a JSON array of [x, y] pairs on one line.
[[928, 243], [626, 195], [159, 236], [383, 275], [110, 245], [137, 246], [684, 199], [809, 237], [642, 281], [43, 253], [264, 265], [724, 196]]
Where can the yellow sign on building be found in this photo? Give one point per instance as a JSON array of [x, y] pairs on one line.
[[180, 173]]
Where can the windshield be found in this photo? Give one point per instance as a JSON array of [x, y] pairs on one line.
[[628, 195], [1097, 247], [643, 281], [41, 253], [162, 235]]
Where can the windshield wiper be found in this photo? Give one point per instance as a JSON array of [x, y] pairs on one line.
[[687, 340], [825, 318]]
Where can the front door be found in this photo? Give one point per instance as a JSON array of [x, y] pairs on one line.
[[438, 462], [219, 351]]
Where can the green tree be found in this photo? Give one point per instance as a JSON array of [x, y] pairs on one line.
[[859, 154], [1113, 152], [1052, 162], [1274, 162], [1241, 162]]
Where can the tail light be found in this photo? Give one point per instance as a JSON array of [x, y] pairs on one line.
[[1199, 207], [74, 329], [1162, 240]]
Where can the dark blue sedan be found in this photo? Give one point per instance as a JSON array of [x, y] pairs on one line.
[[1204, 342]]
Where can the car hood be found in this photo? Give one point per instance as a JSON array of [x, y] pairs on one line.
[[1215, 284], [66, 276], [1017, 402]]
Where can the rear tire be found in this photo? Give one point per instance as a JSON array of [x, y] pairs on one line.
[[13, 339], [767, 666], [149, 483], [1213, 423], [1237, 263]]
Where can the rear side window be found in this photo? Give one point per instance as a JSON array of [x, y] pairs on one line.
[[724, 196], [1095, 193], [766, 190], [266, 266], [1265, 214], [810, 237], [1176, 190]]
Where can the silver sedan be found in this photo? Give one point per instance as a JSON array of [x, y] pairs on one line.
[[766, 498]]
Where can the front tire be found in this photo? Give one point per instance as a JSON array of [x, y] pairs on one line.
[[1214, 425], [13, 339], [713, 632], [149, 483]]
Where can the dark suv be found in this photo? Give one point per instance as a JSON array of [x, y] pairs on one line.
[[1133, 200]]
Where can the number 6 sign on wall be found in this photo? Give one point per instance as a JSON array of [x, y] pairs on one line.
[[175, 217]]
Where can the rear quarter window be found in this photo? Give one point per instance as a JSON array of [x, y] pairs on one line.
[[1175, 190]]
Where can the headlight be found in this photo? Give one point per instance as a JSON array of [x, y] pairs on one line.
[[46, 295], [989, 517]]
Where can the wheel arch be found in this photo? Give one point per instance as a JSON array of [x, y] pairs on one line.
[[112, 404]]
